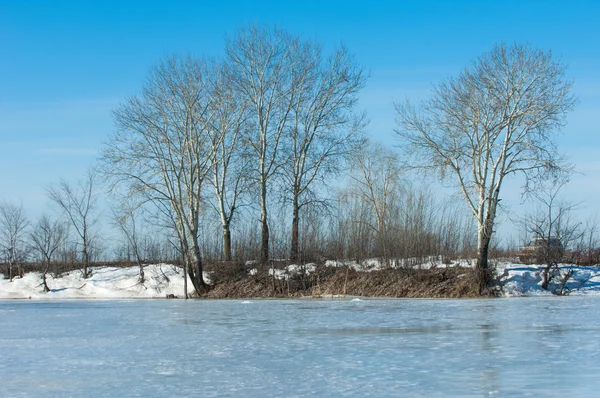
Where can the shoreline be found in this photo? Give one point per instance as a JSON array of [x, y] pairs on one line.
[[309, 282]]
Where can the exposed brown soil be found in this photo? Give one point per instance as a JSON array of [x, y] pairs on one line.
[[326, 281]]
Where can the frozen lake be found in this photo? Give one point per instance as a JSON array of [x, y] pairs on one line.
[[506, 347]]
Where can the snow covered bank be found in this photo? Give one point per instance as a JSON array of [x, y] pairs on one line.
[[106, 282], [526, 280]]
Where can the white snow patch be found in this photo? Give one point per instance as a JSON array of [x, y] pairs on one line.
[[105, 282], [374, 264], [292, 270]]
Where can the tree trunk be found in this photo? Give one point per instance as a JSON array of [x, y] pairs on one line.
[[195, 274], [185, 278], [482, 269], [46, 268], [264, 248], [295, 230], [185, 255], [195, 271], [546, 276], [44, 283], [86, 259], [142, 278], [227, 242]]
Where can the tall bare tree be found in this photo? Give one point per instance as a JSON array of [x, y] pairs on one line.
[[261, 63], [230, 173], [78, 203], [46, 237], [163, 149], [13, 224], [324, 126], [496, 119]]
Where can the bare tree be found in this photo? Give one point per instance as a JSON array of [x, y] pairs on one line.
[[263, 64], [496, 119], [125, 218], [552, 227], [163, 149], [78, 203], [13, 224], [46, 238], [324, 127], [230, 176]]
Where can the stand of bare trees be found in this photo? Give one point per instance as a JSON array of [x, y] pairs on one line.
[[301, 108], [274, 108], [382, 214], [265, 67], [13, 224], [78, 204]]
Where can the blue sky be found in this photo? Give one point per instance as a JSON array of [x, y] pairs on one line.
[[65, 64]]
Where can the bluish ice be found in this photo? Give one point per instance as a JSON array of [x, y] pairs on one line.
[[546, 346]]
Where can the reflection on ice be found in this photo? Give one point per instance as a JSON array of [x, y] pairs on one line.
[[378, 330]]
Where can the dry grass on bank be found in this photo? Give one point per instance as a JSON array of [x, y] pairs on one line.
[[458, 282]]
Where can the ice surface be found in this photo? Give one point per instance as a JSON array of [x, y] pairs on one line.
[[544, 346]]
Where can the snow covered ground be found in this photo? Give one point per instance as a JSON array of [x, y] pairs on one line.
[[106, 282], [526, 280], [163, 279]]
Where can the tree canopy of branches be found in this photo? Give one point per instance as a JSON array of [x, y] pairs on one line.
[[496, 119]]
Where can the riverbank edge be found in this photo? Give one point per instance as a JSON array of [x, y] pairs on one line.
[[329, 283], [319, 282]]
